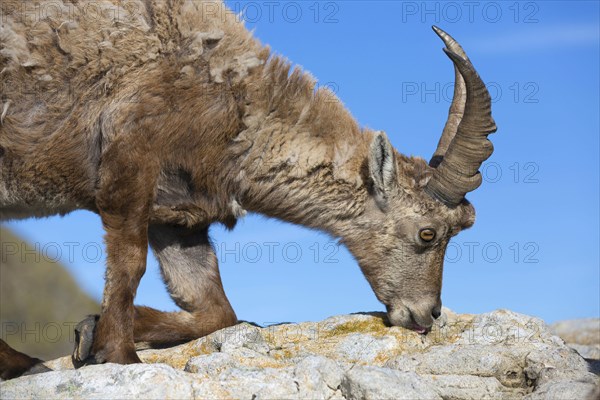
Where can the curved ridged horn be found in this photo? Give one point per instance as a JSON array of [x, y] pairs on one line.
[[457, 173], [457, 107]]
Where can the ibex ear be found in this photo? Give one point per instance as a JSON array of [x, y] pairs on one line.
[[382, 167]]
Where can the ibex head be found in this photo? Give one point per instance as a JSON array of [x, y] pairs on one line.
[[415, 208]]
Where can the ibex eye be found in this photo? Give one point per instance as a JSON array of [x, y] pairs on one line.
[[427, 234]]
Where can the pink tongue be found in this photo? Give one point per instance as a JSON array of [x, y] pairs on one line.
[[419, 329]]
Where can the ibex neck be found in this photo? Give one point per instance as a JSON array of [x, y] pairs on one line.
[[301, 157]]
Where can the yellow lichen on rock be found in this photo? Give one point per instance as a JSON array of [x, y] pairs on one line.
[[374, 326]]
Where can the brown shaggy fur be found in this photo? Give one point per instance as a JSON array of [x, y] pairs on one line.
[[166, 116]]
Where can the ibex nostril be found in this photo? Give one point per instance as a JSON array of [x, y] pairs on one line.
[[436, 312]]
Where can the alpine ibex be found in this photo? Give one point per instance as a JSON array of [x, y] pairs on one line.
[[167, 116]]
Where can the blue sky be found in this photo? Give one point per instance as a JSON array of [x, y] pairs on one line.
[[534, 247]]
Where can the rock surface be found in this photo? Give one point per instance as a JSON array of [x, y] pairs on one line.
[[498, 355], [583, 335]]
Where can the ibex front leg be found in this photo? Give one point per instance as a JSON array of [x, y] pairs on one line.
[[189, 267], [127, 181], [190, 270]]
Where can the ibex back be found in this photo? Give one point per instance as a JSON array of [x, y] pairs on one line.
[[165, 117]]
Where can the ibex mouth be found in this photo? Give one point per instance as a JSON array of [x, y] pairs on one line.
[[416, 326], [420, 329], [403, 316]]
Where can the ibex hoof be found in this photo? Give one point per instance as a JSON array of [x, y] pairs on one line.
[[85, 353], [84, 339], [22, 368]]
